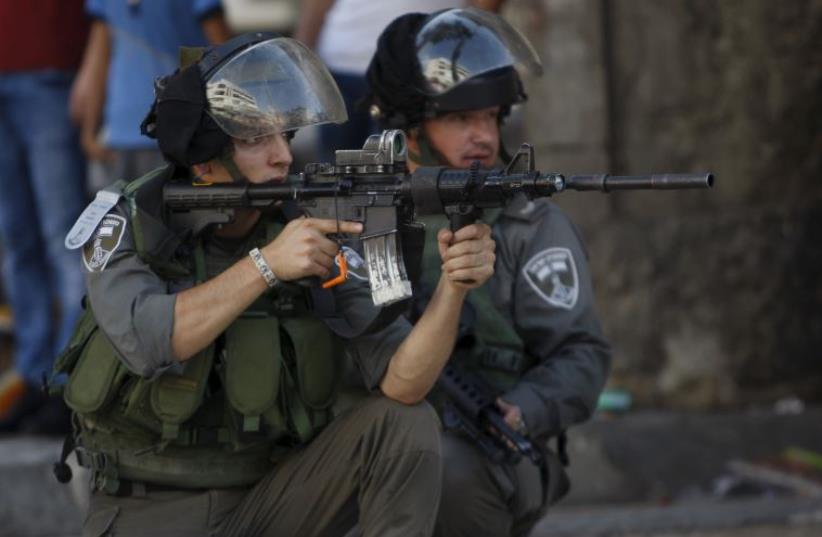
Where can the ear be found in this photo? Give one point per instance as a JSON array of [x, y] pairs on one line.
[[201, 170]]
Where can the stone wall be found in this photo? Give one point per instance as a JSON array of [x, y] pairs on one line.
[[710, 298]]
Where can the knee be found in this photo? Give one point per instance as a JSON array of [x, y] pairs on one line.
[[410, 427], [465, 480], [474, 502]]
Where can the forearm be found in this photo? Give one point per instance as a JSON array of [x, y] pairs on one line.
[[312, 17], [563, 389], [90, 86], [415, 366], [203, 312]]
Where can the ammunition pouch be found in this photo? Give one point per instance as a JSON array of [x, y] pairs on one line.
[[279, 380]]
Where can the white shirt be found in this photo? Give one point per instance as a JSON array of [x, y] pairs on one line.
[[349, 35]]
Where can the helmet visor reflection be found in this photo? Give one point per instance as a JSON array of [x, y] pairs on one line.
[[274, 86], [459, 44]]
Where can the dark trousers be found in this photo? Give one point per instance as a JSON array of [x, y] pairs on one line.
[[379, 462], [480, 498]]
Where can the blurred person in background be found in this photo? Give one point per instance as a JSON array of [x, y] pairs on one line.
[[131, 44], [344, 34], [42, 192]]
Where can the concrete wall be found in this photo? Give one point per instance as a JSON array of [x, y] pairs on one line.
[[710, 298]]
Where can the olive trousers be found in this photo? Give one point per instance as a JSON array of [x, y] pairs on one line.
[[378, 463], [484, 499]]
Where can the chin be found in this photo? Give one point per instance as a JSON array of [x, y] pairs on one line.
[[487, 162], [267, 180]]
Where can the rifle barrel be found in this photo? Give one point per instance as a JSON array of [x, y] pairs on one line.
[[665, 181]]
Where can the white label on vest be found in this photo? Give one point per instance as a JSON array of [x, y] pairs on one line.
[[84, 227], [356, 264]]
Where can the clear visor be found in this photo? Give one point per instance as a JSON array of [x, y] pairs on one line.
[[459, 44], [274, 86]]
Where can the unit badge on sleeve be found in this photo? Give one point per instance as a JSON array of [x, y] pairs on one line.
[[97, 252], [552, 273]]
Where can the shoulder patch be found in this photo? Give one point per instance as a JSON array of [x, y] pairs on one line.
[[84, 227], [552, 273], [110, 232]]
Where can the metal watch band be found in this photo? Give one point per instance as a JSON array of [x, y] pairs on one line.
[[265, 271]]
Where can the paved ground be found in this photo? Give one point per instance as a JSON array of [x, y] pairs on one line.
[[754, 516], [651, 474]]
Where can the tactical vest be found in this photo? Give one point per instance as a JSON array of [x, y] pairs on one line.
[[488, 345], [266, 384]]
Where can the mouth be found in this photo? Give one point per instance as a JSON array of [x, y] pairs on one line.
[[482, 157]]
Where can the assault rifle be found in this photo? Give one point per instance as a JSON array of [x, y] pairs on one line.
[[471, 409], [372, 185]]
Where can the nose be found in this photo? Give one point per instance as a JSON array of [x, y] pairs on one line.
[[279, 152], [482, 131]]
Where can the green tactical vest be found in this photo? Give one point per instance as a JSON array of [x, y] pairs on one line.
[[497, 353], [266, 384]]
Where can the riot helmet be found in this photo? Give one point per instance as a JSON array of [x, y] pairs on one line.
[[453, 60], [251, 86]]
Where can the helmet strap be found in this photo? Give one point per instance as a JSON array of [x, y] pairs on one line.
[[427, 154], [503, 153], [227, 160]]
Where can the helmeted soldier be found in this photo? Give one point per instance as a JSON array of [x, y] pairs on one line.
[[202, 376], [449, 80]]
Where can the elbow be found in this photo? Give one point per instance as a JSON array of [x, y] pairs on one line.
[[405, 395], [407, 398]]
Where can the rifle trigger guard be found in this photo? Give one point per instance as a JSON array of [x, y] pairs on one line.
[[343, 275]]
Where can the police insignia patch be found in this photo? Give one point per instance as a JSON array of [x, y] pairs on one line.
[[553, 275], [109, 233]]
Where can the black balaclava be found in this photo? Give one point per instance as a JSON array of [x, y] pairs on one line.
[[185, 133], [393, 74]]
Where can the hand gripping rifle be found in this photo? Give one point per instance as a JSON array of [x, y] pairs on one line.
[[472, 410], [372, 185]]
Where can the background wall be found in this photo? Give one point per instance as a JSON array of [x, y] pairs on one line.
[[711, 299]]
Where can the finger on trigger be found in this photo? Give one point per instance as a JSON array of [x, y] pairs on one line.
[[328, 247]]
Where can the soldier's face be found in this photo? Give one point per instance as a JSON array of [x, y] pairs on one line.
[[263, 159], [463, 137], [260, 160]]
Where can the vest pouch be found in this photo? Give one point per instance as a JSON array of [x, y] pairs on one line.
[[96, 377], [253, 363], [176, 397], [317, 359], [137, 404], [68, 357]]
